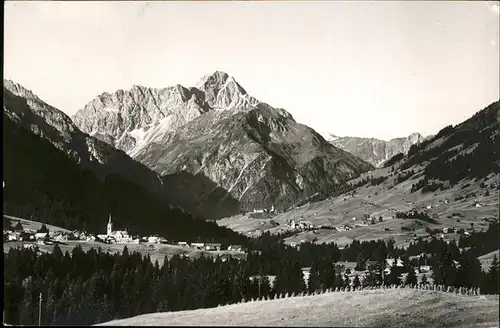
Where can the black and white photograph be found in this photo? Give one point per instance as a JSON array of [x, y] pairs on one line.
[[251, 163]]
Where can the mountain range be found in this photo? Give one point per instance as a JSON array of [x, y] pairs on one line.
[[257, 153], [212, 149], [375, 151]]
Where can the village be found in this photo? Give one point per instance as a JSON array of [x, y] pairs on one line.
[[43, 236]]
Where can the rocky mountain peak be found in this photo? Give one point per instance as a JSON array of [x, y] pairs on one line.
[[130, 119], [415, 137], [223, 92], [18, 89]]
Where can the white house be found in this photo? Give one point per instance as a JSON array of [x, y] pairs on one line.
[[238, 248], [390, 262], [14, 236], [153, 239], [41, 236], [212, 247], [182, 244], [198, 245]]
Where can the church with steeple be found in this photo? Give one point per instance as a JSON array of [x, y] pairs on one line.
[[114, 236], [110, 226]]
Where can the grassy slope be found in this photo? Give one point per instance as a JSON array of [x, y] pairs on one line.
[[390, 308], [33, 225]]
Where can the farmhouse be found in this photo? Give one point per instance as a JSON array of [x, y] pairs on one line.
[[14, 236], [42, 236], [213, 246], [238, 248], [390, 262], [199, 246], [153, 239]]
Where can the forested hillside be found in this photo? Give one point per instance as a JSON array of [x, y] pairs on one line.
[[43, 184], [467, 150]]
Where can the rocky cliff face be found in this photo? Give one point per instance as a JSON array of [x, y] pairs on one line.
[[375, 151], [255, 152], [131, 119]]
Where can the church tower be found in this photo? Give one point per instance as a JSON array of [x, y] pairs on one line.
[[110, 226]]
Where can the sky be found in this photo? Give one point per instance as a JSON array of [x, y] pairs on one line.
[[366, 69]]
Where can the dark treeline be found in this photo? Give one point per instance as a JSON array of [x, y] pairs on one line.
[[394, 159], [43, 184], [91, 287], [416, 215]]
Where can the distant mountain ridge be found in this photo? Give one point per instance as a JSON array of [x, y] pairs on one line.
[[375, 151], [255, 152]]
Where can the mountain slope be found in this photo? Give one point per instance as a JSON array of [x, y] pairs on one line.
[[452, 177], [469, 150], [44, 184], [375, 151], [24, 108], [258, 154], [29, 111]]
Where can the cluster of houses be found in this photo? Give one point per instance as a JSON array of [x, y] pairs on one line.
[[26, 235], [301, 225], [110, 237], [271, 210]]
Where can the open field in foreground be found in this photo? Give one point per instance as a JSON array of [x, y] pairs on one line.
[[375, 308]]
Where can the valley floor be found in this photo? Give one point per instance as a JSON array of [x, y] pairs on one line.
[[389, 308]]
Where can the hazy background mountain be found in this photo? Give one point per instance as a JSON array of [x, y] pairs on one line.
[[375, 151]]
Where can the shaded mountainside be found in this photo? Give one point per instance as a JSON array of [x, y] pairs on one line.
[[49, 123], [261, 156], [376, 151], [256, 153], [42, 183]]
